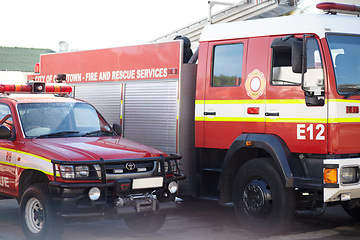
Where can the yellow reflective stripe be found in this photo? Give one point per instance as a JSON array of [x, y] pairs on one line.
[[285, 101], [25, 153], [297, 120], [33, 155], [271, 101], [28, 154], [8, 149], [224, 119], [48, 173], [219, 101], [8, 163], [261, 119], [342, 101], [254, 119], [241, 101], [344, 120]]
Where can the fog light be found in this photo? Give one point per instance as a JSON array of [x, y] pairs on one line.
[[173, 187], [345, 196], [349, 175], [94, 194]]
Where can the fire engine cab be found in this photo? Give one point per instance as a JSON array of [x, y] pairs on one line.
[[266, 111], [60, 159]]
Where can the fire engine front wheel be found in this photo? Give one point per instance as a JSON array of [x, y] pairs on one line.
[[352, 208], [147, 222], [37, 215], [262, 203]]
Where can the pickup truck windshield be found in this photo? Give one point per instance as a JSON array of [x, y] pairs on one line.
[[345, 52], [62, 119]]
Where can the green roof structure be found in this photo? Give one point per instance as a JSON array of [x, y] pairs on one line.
[[20, 59]]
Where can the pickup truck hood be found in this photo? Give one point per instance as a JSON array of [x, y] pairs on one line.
[[91, 148]]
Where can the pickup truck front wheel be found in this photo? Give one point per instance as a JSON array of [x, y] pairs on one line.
[[37, 215]]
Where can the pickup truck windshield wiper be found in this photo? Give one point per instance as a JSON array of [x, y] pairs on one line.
[[357, 92], [58, 134], [98, 133]]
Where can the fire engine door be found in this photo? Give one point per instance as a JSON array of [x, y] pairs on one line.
[[297, 114], [7, 154], [223, 105]]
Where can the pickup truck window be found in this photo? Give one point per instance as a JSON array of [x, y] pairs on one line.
[[5, 116], [61, 119]]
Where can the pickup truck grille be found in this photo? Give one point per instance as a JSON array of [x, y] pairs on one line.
[[110, 170], [130, 167]]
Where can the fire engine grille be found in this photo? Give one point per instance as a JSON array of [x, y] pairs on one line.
[[130, 167]]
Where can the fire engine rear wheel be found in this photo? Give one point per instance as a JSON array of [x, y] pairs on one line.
[[37, 215], [147, 222], [352, 208], [262, 203]]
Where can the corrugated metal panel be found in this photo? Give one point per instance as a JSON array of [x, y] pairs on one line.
[[245, 10], [105, 97], [150, 114]]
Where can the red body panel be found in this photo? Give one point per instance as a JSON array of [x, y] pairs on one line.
[[114, 64], [300, 134]]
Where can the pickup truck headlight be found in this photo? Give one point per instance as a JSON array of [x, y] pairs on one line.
[[81, 171], [71, 172], [67, 171]]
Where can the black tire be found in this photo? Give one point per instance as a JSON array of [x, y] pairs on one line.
[[262, 203], [352, 208], [147, 222], [37, 214]]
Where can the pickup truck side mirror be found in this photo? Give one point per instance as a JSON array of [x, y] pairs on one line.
[[5, 132], [117, 128]]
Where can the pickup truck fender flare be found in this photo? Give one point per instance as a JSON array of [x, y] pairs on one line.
[[239, 153]]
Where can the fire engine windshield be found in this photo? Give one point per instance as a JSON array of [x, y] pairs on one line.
[[61, 119], [345, 52]]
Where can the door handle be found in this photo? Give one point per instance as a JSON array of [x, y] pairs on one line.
[[210, 113], [272, 114]]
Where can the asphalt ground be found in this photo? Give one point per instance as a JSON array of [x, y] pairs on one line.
[[196, 219]]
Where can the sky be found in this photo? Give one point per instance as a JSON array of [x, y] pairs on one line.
[[90, 24]]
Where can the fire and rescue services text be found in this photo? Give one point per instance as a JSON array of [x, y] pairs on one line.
[[153, 73]]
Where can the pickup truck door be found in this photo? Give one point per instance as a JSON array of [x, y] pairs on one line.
[[8, 154]]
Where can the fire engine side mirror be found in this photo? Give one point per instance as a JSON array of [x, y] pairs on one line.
[[298, 57], [5, 132], [117, 128]]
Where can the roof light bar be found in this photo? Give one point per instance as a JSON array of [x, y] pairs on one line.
[[35, 87], [333, 8]]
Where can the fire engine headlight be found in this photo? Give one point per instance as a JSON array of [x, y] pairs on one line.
[[350, 175], [67, 171], [94, 194], [173, 187], [81, 171]]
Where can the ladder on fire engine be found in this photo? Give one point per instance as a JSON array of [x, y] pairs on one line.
[[244, 10]]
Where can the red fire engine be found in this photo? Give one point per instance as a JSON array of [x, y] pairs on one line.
[[275, 103], [60, 158]]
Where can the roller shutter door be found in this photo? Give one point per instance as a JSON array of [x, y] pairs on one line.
[[150, 114], [105, 97]]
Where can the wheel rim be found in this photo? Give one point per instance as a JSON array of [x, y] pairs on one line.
[[257, 198], [34, 215]]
